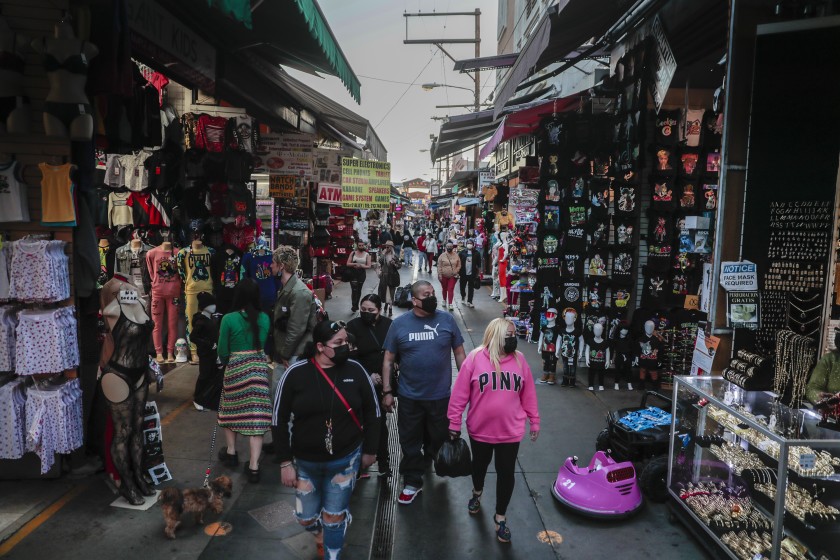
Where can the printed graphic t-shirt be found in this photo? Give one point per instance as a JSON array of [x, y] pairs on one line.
[[194, 267], [423, 346], [164, 272]]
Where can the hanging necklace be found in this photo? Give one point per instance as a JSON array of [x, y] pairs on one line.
[[328, 436], [802, 312]]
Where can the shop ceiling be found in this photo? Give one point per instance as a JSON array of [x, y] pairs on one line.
[[292, 33]]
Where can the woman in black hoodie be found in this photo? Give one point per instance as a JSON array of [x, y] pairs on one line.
[[334, 433]]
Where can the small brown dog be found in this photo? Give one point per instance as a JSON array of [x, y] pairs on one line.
[[174, 502]]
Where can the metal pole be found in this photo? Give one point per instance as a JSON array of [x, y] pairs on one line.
[[477, 79]]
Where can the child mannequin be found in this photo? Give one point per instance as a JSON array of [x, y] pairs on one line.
[[597, 356], [547, 346], [623, 345], [647, 354], [567, 349]]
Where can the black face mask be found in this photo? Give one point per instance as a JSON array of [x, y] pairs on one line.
[[340, 354], [368, 317], [510, 344], [429, 304]]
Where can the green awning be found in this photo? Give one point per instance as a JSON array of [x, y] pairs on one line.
[[240, 10], [320, 30]]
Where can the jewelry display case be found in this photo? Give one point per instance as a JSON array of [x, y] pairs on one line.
[[731, 449]]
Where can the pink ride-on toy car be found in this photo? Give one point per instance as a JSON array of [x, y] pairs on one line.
[[603, 489]]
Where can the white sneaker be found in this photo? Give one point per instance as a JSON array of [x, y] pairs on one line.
[[616, 386], [198, 407], [600, 387], [629, 386], [469, 304], [591, 388]]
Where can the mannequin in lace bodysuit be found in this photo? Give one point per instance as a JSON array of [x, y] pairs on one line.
[[124, 383]]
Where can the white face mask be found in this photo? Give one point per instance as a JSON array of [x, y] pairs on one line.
[[210, 309]]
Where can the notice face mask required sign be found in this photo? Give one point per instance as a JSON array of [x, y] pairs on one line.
[[365, 185], [739, 276]]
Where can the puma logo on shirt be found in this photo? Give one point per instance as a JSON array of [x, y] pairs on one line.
[[424, 335]]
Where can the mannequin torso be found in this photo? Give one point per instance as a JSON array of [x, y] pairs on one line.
[[14, 111]]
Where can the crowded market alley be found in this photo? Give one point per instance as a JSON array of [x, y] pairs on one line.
[[381, 280], [73, 517]]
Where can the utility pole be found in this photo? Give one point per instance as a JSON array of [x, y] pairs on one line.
[[439, 44]]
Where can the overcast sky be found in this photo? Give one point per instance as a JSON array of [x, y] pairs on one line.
[[371, 34]]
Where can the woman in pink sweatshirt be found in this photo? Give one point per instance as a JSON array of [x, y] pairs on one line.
[[497, 383]]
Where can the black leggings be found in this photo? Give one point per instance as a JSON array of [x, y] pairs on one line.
[[505, 465], [466, 285], [356, 293]]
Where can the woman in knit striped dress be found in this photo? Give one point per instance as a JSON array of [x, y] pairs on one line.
[[246, 403]]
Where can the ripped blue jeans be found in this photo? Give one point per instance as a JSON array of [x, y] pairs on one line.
[[325, 488]]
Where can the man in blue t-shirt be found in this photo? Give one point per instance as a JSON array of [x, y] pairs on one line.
[[421, 342]]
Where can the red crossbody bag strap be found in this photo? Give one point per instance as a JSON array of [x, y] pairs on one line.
[[349, 408]]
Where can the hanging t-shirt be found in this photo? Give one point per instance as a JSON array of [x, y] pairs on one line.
[[666, 129], [599, 229], [162, 170], [193, 164], [572, 295], [712, 130], [664, 161], [551, 217], [147, 210], [119, 212], [114, 173], [623, 270], [241, 202], [576, 239], [597, 265], [238, 166], [58, 206], [550, 245], [623, 231], [163, 271], [210, 133], [709, 201], [572, 265], [135, 174], [578, 189], [596, 294], [256, 264], [626, 199], [100, 213], [551, 191], [692, 127], [599, 196], [597, 353], [576, 213], [227, 267], [14, 206], [688, 167], [194, 266], [656, 293], [662, 193], [218, 199], [659, 256], [688, 194], [661, 228], [621, 296], [243, 130], [241, 237]]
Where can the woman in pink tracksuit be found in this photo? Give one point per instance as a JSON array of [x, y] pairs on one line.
[[497, 383]]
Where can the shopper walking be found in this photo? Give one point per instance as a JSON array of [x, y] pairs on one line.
[[370, 330], [421, 250], [398, 243], [470, 272], [497, 384], [293, 319], [423, 339], [359, 262], [431, 247], [334, 432], [246, 403], [389, 276], [448, 269]]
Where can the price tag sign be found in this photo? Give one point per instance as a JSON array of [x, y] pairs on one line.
[[807, 461]]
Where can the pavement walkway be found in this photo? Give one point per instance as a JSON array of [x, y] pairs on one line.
[[73, 518]]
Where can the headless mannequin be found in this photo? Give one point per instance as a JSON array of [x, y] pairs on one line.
[[494, 254], [14, 107], [623, 358], [567, 348], [164, 304], [547, 346], [647, 354], [121, 303], [597, 354], [67, 112], [191, 299]]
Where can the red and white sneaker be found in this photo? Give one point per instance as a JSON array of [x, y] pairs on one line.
[[408, 494]]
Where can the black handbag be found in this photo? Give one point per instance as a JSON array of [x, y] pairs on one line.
[[476, 283], [454, 459]]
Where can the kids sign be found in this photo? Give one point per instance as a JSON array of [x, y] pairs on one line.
[[739, 276]]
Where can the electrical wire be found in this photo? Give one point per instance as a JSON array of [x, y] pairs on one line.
[[413, 82]]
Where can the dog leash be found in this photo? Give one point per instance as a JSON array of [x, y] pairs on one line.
[[212, 446]]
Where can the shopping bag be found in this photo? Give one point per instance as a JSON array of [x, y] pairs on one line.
[[454, 459], [402, 296]]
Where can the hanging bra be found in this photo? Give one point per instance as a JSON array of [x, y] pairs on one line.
[[75, 64]]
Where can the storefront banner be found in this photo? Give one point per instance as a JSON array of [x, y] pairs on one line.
[[743, 310], [485, 177], [282, 186], [739, 276], [329, 194], [160, 36], [664, 64], [327, 165], [285, 154], [365, 184]]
